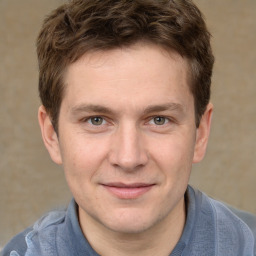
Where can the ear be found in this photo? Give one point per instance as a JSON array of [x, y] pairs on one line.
[[202, 134], [49, 135]]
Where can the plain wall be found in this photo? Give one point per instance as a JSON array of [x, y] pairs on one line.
[[30, 184]]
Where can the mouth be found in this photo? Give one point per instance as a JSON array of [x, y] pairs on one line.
[[128, 191]]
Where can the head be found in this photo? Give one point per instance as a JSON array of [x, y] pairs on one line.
[[83, 26], [125, 87]]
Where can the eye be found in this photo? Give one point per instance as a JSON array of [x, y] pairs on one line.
[[96, 120], [160, 120]]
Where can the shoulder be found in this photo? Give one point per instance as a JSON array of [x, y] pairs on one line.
[[231, 215], [46, 225], [230, 231], [246, 217], [17, 244], [234, 228]]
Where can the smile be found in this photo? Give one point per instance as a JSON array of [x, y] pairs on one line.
[[128, 191]]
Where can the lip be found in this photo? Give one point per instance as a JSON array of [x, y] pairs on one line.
[[128, 191]]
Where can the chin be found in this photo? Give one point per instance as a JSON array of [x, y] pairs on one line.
[[131, 222], [129, 228]]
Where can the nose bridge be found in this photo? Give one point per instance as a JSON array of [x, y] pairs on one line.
[[128, 150]]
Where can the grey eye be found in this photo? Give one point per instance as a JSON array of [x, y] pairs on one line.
[[159, 120], [97, 120]]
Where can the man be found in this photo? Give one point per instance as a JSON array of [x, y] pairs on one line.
[[125, 89]]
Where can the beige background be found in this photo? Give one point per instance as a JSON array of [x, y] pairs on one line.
[[30, 184]]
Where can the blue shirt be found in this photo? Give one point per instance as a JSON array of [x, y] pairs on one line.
[[211, 229]]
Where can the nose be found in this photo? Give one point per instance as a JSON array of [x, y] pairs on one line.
[[128, 149]]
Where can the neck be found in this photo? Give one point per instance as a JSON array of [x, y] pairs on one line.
[[158, 240]]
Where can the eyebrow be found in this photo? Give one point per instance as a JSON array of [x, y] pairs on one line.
[[163, 107], [105, 110], [91, 108]]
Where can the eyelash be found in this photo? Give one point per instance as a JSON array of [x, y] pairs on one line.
[[90, 120], [153, 119], [150, 119]]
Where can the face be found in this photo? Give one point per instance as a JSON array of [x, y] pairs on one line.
[[127, 136]]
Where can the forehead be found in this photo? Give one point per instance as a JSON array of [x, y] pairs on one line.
[[144, 55], [141, 71]]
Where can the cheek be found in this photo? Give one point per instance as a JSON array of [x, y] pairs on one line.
[[174, 159], [173, 152], [82, 158], [81, 165]]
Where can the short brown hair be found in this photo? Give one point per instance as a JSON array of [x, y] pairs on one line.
[[80, 26]]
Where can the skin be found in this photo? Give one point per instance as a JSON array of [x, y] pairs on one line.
[[127, 140]]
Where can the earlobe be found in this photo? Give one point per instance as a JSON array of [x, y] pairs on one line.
[[202, 134], [49, 135]]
